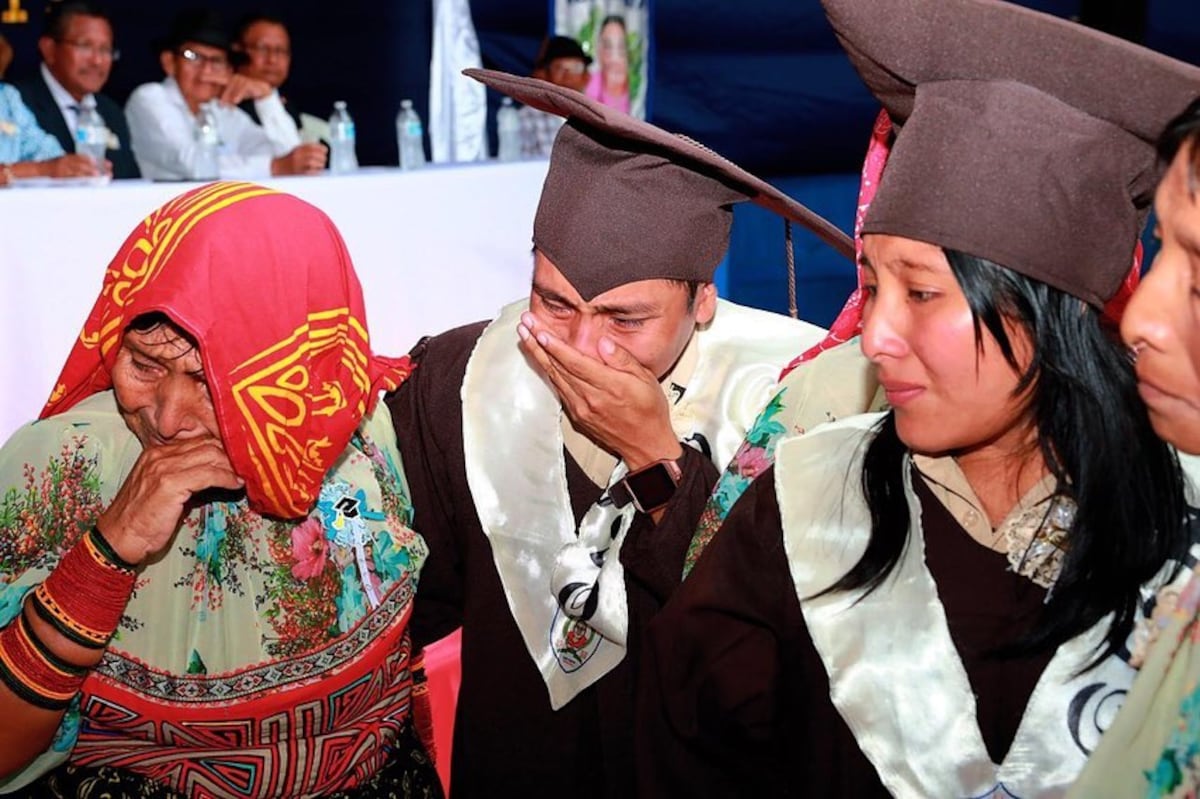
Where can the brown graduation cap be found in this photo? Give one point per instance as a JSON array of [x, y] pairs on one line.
[[1022, 138], [626, 201]]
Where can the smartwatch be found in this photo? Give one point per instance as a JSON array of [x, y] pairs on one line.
[[649, 488]]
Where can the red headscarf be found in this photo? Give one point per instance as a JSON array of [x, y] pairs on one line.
[[848, 323], [263, 282]]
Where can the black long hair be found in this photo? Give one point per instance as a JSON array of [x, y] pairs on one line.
[[1097, 442]]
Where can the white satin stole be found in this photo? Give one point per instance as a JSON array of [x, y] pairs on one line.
[[894, 673], [575, 629]]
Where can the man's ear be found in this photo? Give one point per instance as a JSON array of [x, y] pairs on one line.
[[166, 59], [47, 49], [706, 303]]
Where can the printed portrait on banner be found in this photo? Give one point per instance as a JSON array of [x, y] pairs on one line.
[[615, 33]]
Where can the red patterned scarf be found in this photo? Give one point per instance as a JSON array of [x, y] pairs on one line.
[[263, 282]]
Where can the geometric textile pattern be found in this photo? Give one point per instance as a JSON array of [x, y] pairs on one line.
[[306, 726]]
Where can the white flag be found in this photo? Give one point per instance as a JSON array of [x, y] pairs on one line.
[[457, 104]]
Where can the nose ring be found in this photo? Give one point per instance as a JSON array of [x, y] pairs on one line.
[[1134, 350]]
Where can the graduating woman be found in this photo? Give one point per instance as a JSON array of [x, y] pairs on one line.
[[938, 600]]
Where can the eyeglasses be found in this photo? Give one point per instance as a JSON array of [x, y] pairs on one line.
[[267, 51], [93, 50], [218, 62], [567, 66]]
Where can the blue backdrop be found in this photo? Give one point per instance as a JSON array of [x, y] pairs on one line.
[[767, 87]]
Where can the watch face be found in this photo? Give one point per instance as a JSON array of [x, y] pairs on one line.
[[652, 487]]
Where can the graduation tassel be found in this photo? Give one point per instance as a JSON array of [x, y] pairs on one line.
[[791, 269]]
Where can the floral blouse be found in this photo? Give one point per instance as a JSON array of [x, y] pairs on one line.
[[245, 623], [20, 137]]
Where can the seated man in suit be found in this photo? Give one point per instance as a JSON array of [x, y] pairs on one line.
[[77, 52], [198, 59], [266, 51]]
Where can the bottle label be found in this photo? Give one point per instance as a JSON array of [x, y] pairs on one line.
[[413, 128], [91, 134]]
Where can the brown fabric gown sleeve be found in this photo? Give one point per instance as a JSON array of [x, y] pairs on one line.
[[710, 672], [653, 553], [427, 414]]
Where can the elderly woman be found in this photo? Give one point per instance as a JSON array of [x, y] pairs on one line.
[[1153, 747], [206, 568], [937, 601]]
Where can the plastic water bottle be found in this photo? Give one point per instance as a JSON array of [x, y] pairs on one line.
[[410, 137], [508, 126], [342, 157], [91, 134], [208, 144]]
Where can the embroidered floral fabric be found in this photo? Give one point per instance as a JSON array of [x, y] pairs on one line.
[[838, 384], [757, 452], [241, 617], [1152, 748]]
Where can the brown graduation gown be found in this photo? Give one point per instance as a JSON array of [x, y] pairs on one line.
[[507, 740], [734, 699]]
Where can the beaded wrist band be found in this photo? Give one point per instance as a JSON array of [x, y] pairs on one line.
[[33, 672], [85, 596], [107, 554]]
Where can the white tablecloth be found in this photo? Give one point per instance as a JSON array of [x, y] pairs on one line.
[[434, 249]]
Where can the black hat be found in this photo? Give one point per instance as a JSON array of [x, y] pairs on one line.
[[626, 201], [199, 26], [560, 47], [1022, 138]]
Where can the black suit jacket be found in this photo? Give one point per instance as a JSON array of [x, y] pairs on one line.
[[36, 94]]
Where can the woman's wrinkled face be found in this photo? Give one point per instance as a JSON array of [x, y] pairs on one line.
[[161, 392], [1162, 321], [951, 393]]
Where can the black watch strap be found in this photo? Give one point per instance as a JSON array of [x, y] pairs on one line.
[[648, 488]]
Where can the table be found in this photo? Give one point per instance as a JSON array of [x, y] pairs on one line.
[[434, 249]]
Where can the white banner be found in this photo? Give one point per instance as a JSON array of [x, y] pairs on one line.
[[457, 104]]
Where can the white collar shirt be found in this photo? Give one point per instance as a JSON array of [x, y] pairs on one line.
[[274, 118], [163, 133]]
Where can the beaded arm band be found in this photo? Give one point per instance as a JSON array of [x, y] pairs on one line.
[[33, 672], [83, 599], [85, 596]]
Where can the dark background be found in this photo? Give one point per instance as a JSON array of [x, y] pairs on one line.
[[762, 82]]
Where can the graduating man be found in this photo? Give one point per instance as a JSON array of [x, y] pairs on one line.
[[560, 455]]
